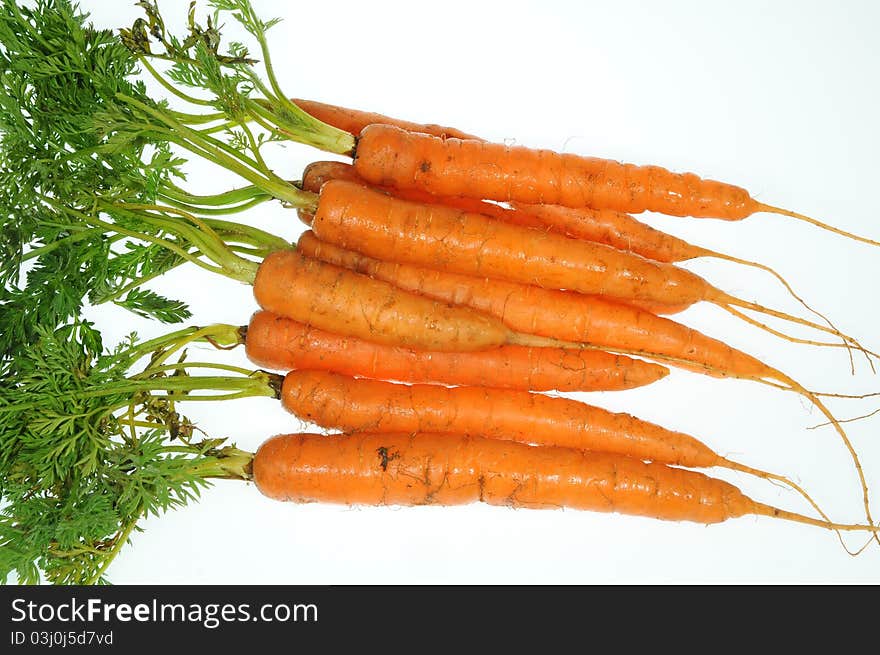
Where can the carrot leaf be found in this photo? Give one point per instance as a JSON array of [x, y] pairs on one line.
[[87, 161], [91, 442], [149, 304]]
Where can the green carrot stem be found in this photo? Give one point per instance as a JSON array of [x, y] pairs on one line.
[[120, 540], [231, 197], [79, 235], [168, 344], [221, 154], [229, 463], [184, 136], [255, 147], [214, 211], [250, 234], [195, 365], [200, 234], [222, 262], [111, 227], [170, 87]]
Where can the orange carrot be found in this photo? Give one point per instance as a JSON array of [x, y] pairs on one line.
[[280, 343], [340, 300], [437, 469], [607, 226], [569, 316], [381, 226], [391, 156], [602, 226], [563, 315], [612, 228], [317, 173], [340, 402], [354, 120], [441, 469], [351, 216]]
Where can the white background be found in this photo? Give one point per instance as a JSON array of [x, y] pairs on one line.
[[780, 98]]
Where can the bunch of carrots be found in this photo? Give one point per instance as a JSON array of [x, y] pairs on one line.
[[445, 291]]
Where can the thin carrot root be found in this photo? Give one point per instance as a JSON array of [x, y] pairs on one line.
[[763, 267], [801, 217], [825, 394], [780, 380], [728, 302], [774, 477], [851, 396], [782, 335], [775, 512], [852, 419], [800, 389]]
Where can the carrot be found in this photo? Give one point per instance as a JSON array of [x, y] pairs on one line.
[[317, 173], [337, 299], [352, 216], [354, 120], [591, 183], [441, 469], [612, 228], [283, 344], [590, 225], [341, 402], [590, 320], [569, 316], [563, 315], [315, 179], [392, 156], [616, 229]]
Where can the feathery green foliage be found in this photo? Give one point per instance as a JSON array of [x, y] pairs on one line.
[[88, 181], [88, 447], [58, 82], [90, 168]]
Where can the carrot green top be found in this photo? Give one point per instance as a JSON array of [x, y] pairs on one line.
[[91, 442], [90, 164]]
